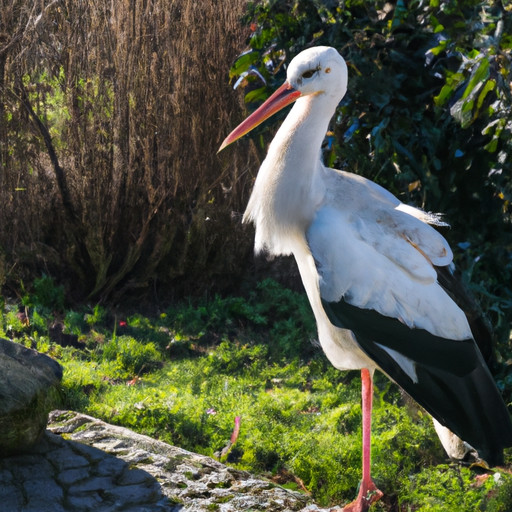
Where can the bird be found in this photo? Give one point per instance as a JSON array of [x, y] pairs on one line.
[[379, 277]]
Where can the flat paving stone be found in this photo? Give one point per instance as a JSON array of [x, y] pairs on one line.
[[66, 458], [36, 469], [72, 476], [134, 476], [11, 498], [89, 502], [96, 483], [111, 466], [93, 455], [134, 494], [5, 476]]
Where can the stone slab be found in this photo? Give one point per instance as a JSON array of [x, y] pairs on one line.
[[83, 465]]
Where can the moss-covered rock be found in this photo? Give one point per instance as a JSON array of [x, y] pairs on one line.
[[29, 384]]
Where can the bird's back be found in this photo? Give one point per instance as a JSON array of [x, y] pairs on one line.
[[384, 276]]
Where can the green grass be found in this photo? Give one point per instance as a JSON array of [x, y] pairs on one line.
[[185, 375]]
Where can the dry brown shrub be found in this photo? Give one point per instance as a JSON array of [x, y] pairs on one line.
[[111, 114]]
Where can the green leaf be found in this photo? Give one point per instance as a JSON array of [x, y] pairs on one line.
[[479, 75], [489, 127], [257, 95], [454, 79], [438, 49], [462, 111], [492, 146], [243, 63], [444, 95], [488, 87], [499, 127]]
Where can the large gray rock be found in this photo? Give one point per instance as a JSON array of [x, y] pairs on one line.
[[28, 391], [82, 464], [105, 468]]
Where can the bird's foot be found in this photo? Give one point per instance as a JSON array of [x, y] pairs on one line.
[[368, 494]]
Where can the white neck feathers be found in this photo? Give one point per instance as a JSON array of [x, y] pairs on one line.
[[289, 186]]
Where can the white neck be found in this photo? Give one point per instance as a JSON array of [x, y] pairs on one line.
[[289, 188]]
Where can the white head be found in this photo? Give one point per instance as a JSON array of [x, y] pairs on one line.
[[318, 70]]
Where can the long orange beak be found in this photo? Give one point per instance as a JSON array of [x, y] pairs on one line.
[[285, 95]]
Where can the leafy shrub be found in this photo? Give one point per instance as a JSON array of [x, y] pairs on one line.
[[97, 316], [38, 322], [131, 356], [47, 294], [12, 322], [75, 322], [171, 216]]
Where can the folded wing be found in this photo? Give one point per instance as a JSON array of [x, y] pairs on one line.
[[380, 266]]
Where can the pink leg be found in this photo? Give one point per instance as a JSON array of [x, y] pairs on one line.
[[368, 492]]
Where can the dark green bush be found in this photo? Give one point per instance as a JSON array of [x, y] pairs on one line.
[[48, 294]]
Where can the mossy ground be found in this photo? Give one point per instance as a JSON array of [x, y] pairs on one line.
[[184, 375]]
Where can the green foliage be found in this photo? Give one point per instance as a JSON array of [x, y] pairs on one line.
[[96, 317], [406, 62], [75, 322], [309, 426], [502, 499], [55, 111], [38, 322], [47, 294], [232, 359], [444, 488], [288, 316], [269, 310], [131, 356], [82, 380], [44, 295], [299, 415], [11, 322]]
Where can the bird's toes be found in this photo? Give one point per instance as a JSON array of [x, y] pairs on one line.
[[367, 496]]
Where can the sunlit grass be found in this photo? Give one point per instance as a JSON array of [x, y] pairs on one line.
[[185, 376], [294, 417]]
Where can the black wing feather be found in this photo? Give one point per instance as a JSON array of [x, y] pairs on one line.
[[461, 295], [453, 382]]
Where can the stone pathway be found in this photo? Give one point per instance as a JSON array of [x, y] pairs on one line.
[[83, 464]]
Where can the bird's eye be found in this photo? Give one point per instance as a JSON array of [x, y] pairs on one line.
[[308, 74]]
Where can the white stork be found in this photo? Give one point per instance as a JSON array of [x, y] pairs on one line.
[[376, 273]]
